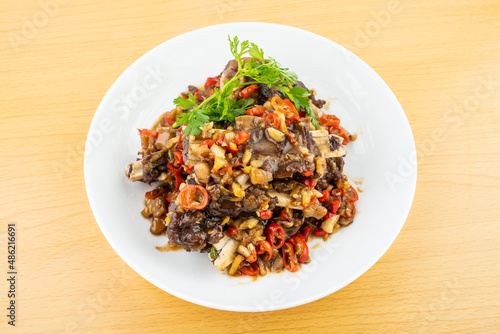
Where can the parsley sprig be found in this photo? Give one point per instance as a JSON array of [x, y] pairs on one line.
[[221, 106]]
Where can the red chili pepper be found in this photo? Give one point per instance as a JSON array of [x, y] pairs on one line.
[[341, 132], [247, 91], [220, 140], [290, 120], [177, 172], [283, 214], [208, 142], [276, 102], [308, 173], [329, 120], [337, 192], [305, 231], [229, 168], [288, 257], [273, 121], [179, 143], [351, 194], [319, 232], [231, 150], [292, 140], [290, 107], [335, 206], [232, 230], [169, 121], [265, 247], [249, 269], [188, 197], [188, 168], [147, 132], [256, 111], [241, 137], [328, 215], [211, 81], [308, 182], [178, 160], [300, 247], [198, 97], [273, 232], [266, 214], [155, 193], [350, 210], [326, 196]]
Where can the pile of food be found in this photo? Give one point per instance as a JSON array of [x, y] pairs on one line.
[[247, 168]]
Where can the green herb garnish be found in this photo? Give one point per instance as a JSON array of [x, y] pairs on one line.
[[213, 253], [219, 106]]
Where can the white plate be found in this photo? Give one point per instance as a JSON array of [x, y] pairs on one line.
[[382, 158]]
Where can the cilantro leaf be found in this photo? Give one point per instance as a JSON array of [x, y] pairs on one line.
[[185, 103], [300, 97], [222, 106]]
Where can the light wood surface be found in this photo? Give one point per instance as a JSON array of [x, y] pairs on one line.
[[441, 59]]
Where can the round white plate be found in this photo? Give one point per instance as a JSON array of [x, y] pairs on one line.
[[381, 160]]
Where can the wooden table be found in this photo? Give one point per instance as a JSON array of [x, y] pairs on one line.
[[441, 59]]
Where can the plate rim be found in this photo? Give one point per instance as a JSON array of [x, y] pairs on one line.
[[251, 308]]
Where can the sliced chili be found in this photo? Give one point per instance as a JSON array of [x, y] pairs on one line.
[[247, 91], [300, 247], [256, 111], [169, 121], [147, 132], [329, 120], [265, 247], [232, 230], [288, 257], [326, 197], [290, 120], [319, 232], [273, 121], [351, 194], [275, 235], [341, 132], [178, 160], [241, 137], [220, 140], [308, 182], [198, 97], [249, 269], [290, 108], [188, 197], [334, 206], [229, 168], [211, 81], [266, 214], [305, 231], [308, 173], [208, 142]]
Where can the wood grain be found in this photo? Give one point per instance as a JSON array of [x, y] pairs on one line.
[[441, 274]]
